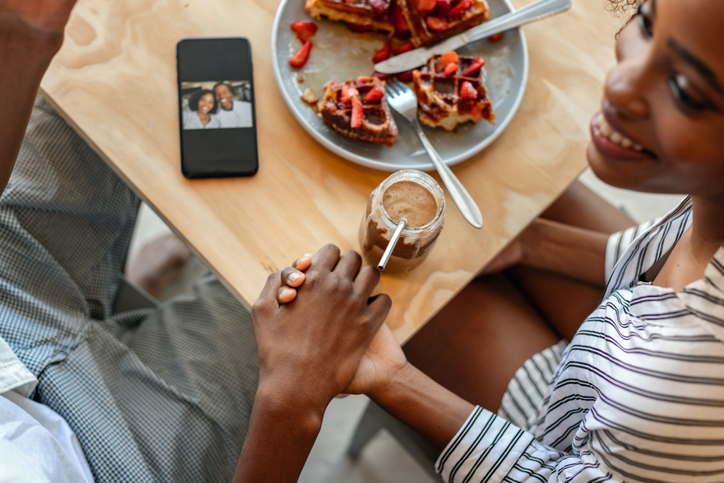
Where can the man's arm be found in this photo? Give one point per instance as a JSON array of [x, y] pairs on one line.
[[31, 33]]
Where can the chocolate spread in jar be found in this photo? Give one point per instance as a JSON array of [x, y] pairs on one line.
[[403, 198]]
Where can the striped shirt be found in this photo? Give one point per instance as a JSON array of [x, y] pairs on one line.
[[638, 394]]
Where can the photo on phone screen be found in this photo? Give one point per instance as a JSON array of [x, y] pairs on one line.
[[216, 108]]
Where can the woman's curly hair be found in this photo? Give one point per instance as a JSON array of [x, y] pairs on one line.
[[623, 8]]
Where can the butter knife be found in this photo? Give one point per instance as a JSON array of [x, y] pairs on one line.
[[530, 13]]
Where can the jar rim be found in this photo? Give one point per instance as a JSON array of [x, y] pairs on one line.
[[433, 187]]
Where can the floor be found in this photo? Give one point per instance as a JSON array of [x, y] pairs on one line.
[[383, 460]]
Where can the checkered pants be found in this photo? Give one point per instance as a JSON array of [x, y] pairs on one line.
[[153, 395]]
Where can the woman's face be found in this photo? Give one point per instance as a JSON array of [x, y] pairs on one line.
[[206, 103], [661, 125]]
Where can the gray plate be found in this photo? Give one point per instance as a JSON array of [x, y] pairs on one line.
[[340, 54]]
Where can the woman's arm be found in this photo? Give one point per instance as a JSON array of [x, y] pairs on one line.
[[567, 250]]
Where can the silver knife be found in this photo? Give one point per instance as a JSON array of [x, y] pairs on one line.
[[530, 13]]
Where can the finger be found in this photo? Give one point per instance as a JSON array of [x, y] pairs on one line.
[[273, 282], [349, 264], [303, 263], [292, 277], [286, 294], [326, 258], [367, 279], [380, 306]]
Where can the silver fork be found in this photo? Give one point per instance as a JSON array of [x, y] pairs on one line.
[[403, 100]]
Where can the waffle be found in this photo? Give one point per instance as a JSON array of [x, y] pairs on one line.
[[369, 13], [428, 26], [439, 99], [378, 126]]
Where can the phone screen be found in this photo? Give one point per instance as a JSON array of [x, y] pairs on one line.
[[216, 108]]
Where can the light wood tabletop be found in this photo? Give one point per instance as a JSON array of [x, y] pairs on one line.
[[115, 82]]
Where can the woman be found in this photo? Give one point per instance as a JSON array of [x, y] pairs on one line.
[[203, 109], [638, 393]]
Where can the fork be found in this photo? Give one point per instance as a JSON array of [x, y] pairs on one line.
[[403, 100]]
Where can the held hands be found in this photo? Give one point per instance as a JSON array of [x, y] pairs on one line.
[[383, 358], [309, 351]]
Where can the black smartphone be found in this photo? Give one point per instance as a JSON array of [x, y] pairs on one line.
[[217, 117]]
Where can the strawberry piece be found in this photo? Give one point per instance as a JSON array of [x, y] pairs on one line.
[[380, 7], [443, 7], [445, 59], [302, 55], [374, 95], [304, 30], [357, 113], [477, 114], [403, 48], [405, 76], [348, 93], [474, 66], [381, 76], [363, 79], [436, 24], [400, 23], [497, 37], [450, 69], [383, 53], [467, 91], [460, 9], [360, 28], [426, 6]]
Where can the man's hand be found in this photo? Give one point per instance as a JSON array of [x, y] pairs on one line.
[[382, 359], [310, 350]]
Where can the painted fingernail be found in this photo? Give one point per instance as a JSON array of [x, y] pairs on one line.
[[293, 277]]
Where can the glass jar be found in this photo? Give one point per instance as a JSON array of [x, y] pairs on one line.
[[400, 196]]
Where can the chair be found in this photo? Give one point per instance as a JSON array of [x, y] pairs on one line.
[[376, 418]]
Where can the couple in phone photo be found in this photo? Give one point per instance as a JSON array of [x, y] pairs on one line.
[[217, 108]]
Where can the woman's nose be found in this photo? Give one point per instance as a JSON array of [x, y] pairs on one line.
[[627, 86]]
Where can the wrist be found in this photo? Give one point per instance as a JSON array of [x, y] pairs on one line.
[[32, 45], [289, 396], [387, 389]]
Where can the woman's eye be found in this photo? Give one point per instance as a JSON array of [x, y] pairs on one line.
[[679, 85], [644, 22]]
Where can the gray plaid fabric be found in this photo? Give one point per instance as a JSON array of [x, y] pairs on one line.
[[153, 395]]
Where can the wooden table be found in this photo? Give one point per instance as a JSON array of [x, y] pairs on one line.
[[114, 81]]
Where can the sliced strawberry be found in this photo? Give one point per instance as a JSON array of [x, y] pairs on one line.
[[304, 30], [405, 76], [474, 66], [357, 113], [403, 48], [374, 95], [467, 91], [360, 28], [348, 93], [460, 9], [426, 6], [477, 114], [380, 7], [400, 23], [302, 55], [363, 79], [436, 24], [383, 53], [443, 7], [496, 37], [445, 59], [381, 76], [450, 69]]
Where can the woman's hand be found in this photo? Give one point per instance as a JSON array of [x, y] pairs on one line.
[[382, 358], [47, 17], [309, 351]]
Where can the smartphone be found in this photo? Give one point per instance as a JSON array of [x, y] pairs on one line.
[[217, 118]]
